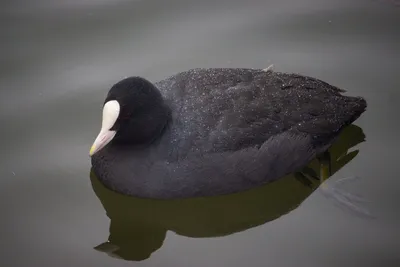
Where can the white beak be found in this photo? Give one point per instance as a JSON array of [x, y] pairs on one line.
[[110, 115], [104, 137]]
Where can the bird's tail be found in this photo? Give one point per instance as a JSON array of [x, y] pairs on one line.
[[354, 107]]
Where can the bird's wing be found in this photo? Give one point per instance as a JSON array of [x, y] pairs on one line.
[[217, 110]]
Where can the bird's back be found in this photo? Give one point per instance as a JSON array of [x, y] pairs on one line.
[[216, 110]]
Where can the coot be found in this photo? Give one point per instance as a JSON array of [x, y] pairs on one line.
[[215, 131]]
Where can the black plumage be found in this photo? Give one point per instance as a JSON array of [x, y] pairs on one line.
[[215, 131]]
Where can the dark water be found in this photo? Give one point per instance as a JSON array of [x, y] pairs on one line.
[[58, 61]]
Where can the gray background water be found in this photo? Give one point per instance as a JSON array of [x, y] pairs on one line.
[[59, 59]]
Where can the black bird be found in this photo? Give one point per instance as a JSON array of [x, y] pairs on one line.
[[215, 131]]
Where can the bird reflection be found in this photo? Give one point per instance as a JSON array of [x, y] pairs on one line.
[[138, 226]]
